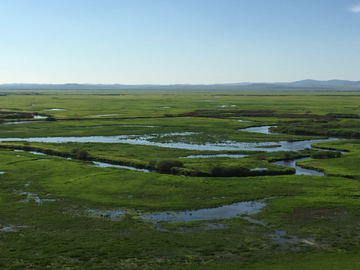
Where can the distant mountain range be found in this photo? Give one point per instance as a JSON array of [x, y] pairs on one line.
[[304, 85]]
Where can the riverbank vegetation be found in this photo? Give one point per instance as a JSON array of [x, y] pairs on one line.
[[57, 212]]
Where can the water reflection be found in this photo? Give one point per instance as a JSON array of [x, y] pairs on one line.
[[225, 211], [226, 145], [106, 165], [19, 122], [32, 196], [149, 140], [40, 117], [262, 129], [299, 170], [216, 156]]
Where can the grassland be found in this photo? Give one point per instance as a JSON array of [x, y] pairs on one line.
[[47, 202]]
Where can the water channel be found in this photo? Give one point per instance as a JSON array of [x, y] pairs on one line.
[[227, 145], [148, 140]]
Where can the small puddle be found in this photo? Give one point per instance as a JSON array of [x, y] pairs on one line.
[[239, 120], [19, 122], [226, 106], [37, 153], [8, 229], [40, 117], [258, 169], [32, 196], [2, 172], [54, 110], [103, 115], [106, 165], [215, 156], [12, 228], [136, 126], [262, 129]]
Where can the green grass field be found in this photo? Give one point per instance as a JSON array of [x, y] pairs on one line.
[[47, 203]]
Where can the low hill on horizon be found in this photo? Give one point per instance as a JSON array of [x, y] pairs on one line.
[[303, 85]]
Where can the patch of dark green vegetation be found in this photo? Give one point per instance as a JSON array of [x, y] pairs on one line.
[[320, 128]]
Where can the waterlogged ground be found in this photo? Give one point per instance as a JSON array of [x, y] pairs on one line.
[[61, 213]]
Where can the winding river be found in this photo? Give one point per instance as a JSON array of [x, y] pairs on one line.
[[227, 145]]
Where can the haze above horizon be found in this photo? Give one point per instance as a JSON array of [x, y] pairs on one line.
[[178, 41]]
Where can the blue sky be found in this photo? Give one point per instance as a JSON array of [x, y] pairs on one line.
[[178, 41]]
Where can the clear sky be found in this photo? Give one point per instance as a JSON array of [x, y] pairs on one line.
[[178, 41]]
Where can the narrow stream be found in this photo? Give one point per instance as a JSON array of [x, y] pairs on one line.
[[292, 163], [299, 170]]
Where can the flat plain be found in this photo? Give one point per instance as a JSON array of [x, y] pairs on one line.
[[173, 180]]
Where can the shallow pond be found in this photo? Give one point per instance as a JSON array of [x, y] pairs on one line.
[[241, 210], [215, 156], [225, 211]]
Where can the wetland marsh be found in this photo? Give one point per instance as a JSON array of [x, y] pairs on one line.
[[221, 195]]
